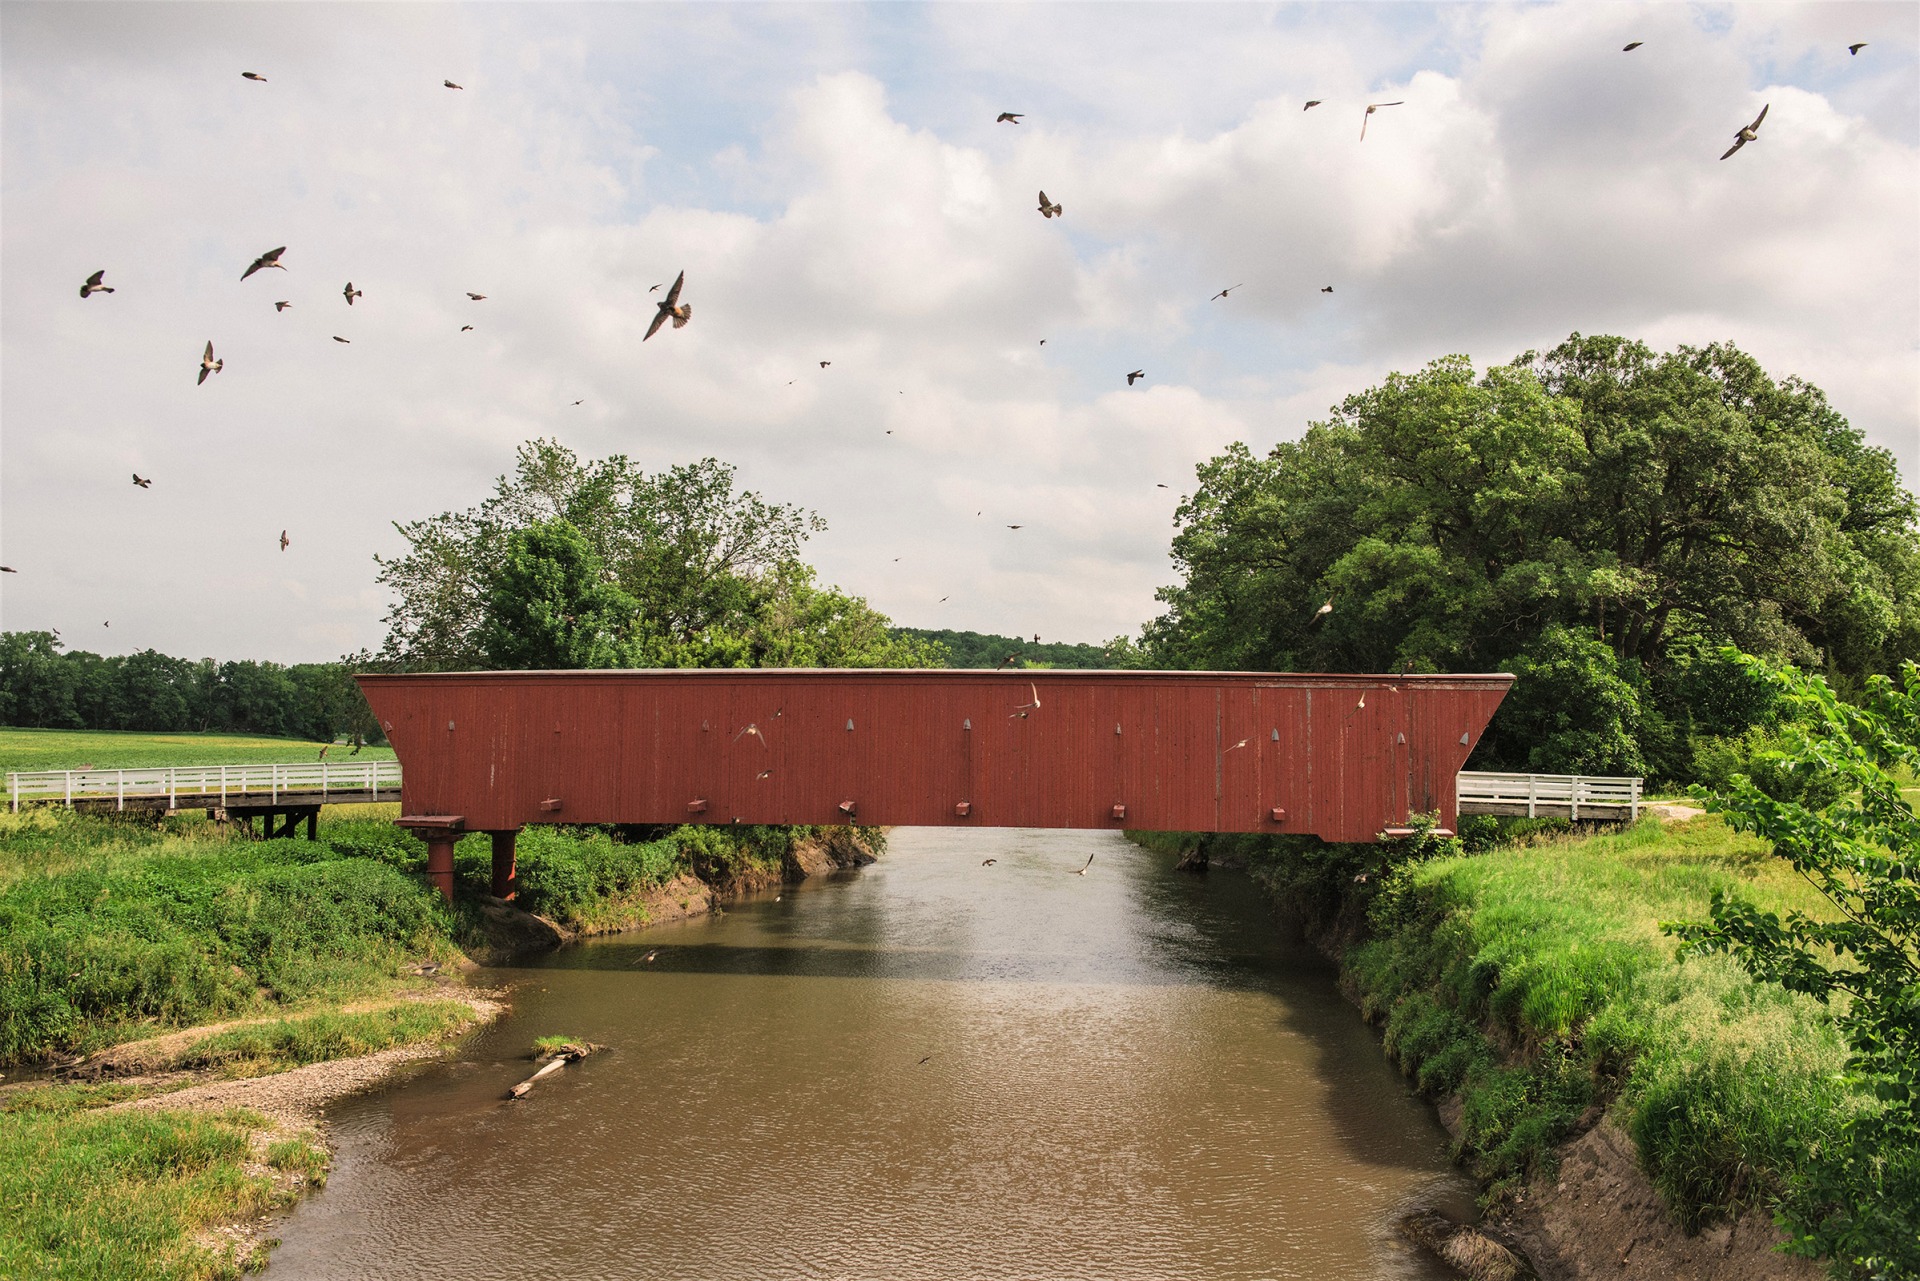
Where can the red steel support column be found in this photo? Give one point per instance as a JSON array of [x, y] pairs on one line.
[[440, 863], [503, 868]]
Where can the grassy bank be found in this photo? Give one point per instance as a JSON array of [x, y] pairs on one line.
[[93, 1194], [120, 928], [31, 749], [1530, 980]]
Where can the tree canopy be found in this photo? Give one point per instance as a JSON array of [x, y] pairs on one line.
[[595, 563], [1601, 512]]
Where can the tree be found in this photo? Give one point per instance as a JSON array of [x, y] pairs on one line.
[[548, 604], [713, 572], [36, 686], [1661, 505], [1860, 1201]]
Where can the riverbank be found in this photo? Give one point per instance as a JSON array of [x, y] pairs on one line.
[[178, 1004], [1628, 1113]]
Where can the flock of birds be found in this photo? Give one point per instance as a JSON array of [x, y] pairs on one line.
[[669, 309]]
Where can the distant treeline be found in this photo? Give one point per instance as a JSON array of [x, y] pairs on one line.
[[980, 649], [45, 686]]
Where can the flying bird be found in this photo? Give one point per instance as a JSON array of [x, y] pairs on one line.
[[338, 338], [1237, 746], [1630, 48], [142, 481], [754, 730], [1008, 117], [1035, 704], [252, 75], [1089, 863], [648, 958], [464, 328], [271, 258], [477, 297], [93, 285], [1311, 104], [284, 540], [1223, 293], [208, 365], [825, 363], [1016, 526], [1855, 49], [988, 862], [350, 293], [1371, 108], [281, 306], [651, 288], [1326, 289], [8, 569], [1138, 373], [451, 85], [1322, 612], [579, 402], [1747, 134], [667, 310], [1047, 208]]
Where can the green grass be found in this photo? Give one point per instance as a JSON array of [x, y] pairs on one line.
[[91, 1194], [256, 1049], [112, 929], [1536, 982], [35, 749]]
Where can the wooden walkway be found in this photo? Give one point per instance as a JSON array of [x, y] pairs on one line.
[[260, 788], [1583, 798], [224, 787]]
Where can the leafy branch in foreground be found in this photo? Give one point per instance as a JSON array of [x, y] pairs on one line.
[[1860, 1203]]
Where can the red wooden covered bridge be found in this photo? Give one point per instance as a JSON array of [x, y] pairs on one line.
[[1346, 758]]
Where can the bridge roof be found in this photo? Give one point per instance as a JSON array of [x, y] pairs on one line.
[[1340, 755]]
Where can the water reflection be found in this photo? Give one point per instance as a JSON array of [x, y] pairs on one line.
[[928, 1068]]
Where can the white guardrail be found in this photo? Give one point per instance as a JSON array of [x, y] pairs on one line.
[[203, 782], [1555, 791]]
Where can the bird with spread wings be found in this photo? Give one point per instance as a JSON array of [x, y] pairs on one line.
[[670, 308]]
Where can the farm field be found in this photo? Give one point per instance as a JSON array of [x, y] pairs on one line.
[[34, 749]]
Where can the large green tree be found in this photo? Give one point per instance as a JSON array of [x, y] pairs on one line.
[[709, 575], [1657, 504]]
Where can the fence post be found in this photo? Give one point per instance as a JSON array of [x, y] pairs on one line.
[[120, 782], [275, 777], [1573, 798], [1635, 802], [172, 789], [1533, 793], [13, 786]]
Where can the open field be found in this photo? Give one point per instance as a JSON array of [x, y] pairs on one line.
[[32, 749]]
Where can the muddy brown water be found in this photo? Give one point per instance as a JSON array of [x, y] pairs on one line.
[[923, 1069]]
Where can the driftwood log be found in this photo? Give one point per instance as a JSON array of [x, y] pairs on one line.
[[572, 1052]]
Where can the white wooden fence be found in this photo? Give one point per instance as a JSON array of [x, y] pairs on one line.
[[207, 784], [1552, 794]]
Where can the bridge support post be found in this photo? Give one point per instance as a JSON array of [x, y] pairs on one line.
[[439, 831], [440, 864], [504, 886]]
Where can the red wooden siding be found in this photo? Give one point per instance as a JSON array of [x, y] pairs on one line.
[[1344, 756]]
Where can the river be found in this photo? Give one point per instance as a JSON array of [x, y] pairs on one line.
[[928, 1068]]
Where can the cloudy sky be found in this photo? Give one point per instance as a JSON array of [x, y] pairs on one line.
[[832, 181]]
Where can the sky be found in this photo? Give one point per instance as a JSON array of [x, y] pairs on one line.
[[833, 182]]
